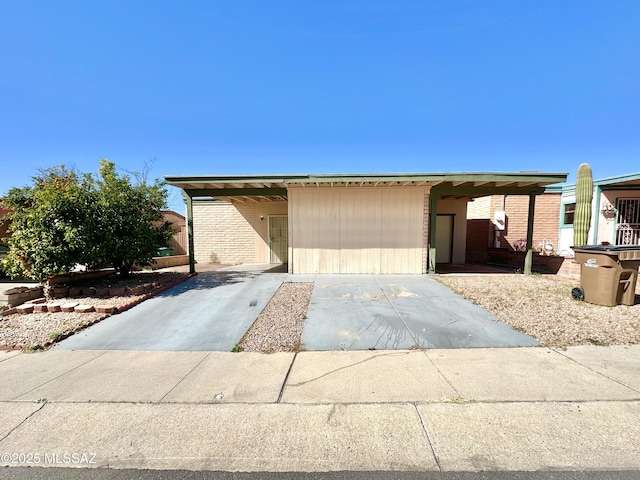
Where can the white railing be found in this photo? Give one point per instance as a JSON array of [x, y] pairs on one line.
[[628, 234]]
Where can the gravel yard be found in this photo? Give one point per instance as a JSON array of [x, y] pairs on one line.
[[279, 327], [34, 331], [542, 307]]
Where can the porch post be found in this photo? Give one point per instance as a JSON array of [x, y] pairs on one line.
[[433, 215], [192, 259], [528, 259]]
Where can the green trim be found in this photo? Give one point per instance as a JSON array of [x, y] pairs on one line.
[[483, 191], [433, 216], [596, 215], [563, 207], [235, 192], [192, 258], [528, 259]]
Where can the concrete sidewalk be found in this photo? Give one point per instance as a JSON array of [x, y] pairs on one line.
[[410, 410]]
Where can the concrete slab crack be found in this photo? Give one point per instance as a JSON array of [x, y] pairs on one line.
[[429, 440], [286, 378], [43, 403], [185, 376], [619, 382]]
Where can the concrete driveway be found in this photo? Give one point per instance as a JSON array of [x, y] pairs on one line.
[[359, 312], [211, 311]]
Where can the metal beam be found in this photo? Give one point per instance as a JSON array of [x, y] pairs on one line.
[[528, 259], [433, 216], [192, 259]]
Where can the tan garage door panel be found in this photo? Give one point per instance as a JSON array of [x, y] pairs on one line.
[[349, 230]]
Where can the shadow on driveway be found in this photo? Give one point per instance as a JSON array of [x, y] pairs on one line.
[[210, 312]]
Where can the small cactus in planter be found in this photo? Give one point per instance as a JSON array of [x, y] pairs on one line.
[[584, 196]]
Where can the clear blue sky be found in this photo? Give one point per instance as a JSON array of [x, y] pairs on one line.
[[222, 87]]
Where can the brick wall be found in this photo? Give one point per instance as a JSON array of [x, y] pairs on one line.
[[546, 222], [224, 232]]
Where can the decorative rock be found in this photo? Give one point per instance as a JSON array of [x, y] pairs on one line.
[[25, 308], [68, 307], [53, 307], [84, 308], [105, 309], [40, 308]]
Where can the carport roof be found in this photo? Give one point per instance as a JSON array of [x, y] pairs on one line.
[[275, 186]]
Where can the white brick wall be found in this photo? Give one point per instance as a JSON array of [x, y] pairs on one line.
[[224, 232]]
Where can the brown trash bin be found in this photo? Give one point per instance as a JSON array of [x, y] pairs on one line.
[[608, 273]]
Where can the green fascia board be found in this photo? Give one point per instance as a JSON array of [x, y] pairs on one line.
[[235, 192], [617, 179], [485, 191], [536, 177]]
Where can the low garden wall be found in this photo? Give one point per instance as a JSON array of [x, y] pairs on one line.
[[512, 259]]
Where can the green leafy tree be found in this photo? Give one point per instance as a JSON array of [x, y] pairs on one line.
[[47, 219], [65, 219], [126, 225]]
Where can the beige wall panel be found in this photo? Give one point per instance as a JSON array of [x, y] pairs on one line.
[[356, 230], [459, 209]]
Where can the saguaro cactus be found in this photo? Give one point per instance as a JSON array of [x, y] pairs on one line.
[[584, 196]]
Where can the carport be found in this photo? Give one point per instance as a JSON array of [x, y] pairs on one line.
[[348, 223]]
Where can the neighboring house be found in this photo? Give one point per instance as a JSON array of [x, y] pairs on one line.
[[615, 217], [500, 222], [179, 224], [378, 223]]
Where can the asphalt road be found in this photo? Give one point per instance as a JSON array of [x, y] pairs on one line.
[[16, 473]]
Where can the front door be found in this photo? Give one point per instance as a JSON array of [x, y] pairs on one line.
[[278, 233]]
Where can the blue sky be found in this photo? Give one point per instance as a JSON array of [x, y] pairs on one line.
[[223, 87]]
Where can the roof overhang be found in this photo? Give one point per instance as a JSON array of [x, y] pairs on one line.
[[274, 187]]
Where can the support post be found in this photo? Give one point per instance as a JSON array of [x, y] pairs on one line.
[[528, 259], [192, 259], [433, 216]]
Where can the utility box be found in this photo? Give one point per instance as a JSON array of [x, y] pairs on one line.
[[608, 273]]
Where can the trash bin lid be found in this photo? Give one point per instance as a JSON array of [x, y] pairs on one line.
[[606, 248]]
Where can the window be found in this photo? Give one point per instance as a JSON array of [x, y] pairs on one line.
[[569, 213]]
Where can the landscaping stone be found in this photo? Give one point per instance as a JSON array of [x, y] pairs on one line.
[[117, 291], [68, 307], [60, 292], [40, 308], [89, 291], [105, 309], [102, 291], [37, 300], [138, 290], [53, 307], [75, 291], [84, 308], [25, 308]]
